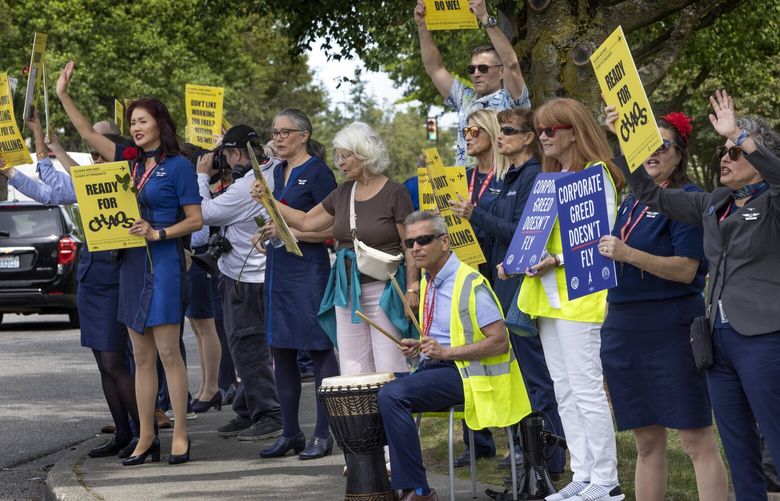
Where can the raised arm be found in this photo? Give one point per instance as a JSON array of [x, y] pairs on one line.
[[55, 147], [98, 142], [431, 57], [513, 77]]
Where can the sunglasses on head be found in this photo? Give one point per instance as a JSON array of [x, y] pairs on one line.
[[473, 131], [666, 145], [482, 68], [550, 131], [734, 152], [422, 240], [511, 131]]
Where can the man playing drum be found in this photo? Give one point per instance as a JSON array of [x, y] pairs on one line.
[[465, 356]]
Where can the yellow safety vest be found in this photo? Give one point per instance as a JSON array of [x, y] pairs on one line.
[[533, 299], [493, 388]]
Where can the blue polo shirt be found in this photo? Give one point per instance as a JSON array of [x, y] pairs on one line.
[[660, 236]]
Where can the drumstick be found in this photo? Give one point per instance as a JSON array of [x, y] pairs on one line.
[[407, 308], [375, 326]]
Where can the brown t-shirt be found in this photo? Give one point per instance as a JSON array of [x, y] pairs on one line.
[[376, 217]]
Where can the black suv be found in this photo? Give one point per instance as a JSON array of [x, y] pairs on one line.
[[39, 248]]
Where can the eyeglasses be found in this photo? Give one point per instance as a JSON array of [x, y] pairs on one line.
[[511, 131], [342, 157], [422, 240], [482, 68], [666, 145], [473, 131], [550, 131], [734, 152], [282, 133]]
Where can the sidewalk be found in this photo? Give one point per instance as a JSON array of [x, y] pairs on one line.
[[220, 469]]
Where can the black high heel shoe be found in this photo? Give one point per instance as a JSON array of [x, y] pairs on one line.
[[283, 444], [180, 458], [153, 450], [317, 448], [205, 405]]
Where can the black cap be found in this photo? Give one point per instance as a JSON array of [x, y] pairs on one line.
[[238, 136]]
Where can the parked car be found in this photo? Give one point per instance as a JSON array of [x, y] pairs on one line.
[[39, 247]]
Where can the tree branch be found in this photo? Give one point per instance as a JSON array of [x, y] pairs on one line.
[[679, 100], [635, 14], [653, 72]]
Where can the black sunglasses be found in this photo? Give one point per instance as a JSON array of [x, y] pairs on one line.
[[482, 68], [95, 155], [666, 145], [422, 240], [734, 152], [550, 131], [511, 131]]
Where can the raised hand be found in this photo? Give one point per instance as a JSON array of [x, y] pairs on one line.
[[611, 117], [723, 121], [65, 75], [419, 13], [479, 9], [34, 122]]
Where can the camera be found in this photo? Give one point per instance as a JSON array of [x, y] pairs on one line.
[[218, 163], [217, 245]]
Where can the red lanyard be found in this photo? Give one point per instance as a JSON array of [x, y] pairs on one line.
[[727, 212], [144, 177], [628, 228], [428, 307], [485, 184]]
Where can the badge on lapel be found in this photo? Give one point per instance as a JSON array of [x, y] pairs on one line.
[[751, 214], [302, 182], [651, 215], [710, 210]]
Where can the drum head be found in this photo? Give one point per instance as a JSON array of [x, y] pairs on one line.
[[371, 379]]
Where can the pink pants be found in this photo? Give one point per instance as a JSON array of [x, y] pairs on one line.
[[361, 347]]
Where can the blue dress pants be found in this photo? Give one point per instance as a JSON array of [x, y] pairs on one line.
[[744, 387], [434, 387]]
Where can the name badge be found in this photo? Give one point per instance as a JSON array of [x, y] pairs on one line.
[[512, 193], [651, 215], [302, 182], [160, 173], [751, 215]]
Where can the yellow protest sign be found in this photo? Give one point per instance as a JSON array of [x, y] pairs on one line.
[[269, 202], [449, 15], [225, 125], [107, 204], [462, 238], [119, 116], [34, 75], [456, 176], [204, 114], [12, 147], [622, 88]]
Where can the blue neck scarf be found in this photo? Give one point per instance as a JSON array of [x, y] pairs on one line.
[[750, 191]]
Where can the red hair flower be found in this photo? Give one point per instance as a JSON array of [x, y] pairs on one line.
[[681, 122], [283, 202], [130, 153]]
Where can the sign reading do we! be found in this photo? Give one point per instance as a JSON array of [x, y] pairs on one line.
[[107, 205], [582, 212], [204, 114], [622, 88], [449, 15]]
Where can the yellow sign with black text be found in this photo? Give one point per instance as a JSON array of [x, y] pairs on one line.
[[13, 149], [449, 15], [203, 106], [107, 204], [119, 116], [456, 176], [34, 75], [622, 88], [462, 238]]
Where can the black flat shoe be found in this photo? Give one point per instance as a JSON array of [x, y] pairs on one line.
[[153, 450], [283, 444], [126, 451], [110, 448], [317, 448], [205, 405], [180, 458]]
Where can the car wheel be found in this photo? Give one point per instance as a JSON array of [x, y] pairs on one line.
[[73, 318]]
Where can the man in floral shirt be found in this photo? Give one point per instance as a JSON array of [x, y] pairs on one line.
[[494, 71]]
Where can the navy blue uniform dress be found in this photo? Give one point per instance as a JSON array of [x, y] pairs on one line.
[[154, 293], [645, 348], [294, 285], [98, 300], [484, 202]]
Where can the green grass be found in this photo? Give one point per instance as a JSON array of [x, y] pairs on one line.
[[681, 484]]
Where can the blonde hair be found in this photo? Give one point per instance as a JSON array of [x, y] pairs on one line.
[[487, 119], [591, 143]]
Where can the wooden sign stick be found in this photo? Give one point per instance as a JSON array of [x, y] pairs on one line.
[[407, 308], [375, 326]]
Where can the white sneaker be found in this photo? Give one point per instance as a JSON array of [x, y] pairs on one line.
[[190, 415], [595, 492], [568, 492]]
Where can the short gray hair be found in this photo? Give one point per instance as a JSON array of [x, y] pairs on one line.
[[761, 132], [438, 222], [365, 144]]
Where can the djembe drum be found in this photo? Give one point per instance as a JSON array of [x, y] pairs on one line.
[[353, 410]]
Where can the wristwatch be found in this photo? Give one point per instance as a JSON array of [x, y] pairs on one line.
[[491, 21], [161, 234]]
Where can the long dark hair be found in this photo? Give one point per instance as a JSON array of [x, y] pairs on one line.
[[679, 176], [302, 122], [169, 143]]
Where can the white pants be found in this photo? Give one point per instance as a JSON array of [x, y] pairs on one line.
[[572, 352], [361, 347]]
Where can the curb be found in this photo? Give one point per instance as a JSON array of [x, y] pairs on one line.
[[62, 482]]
